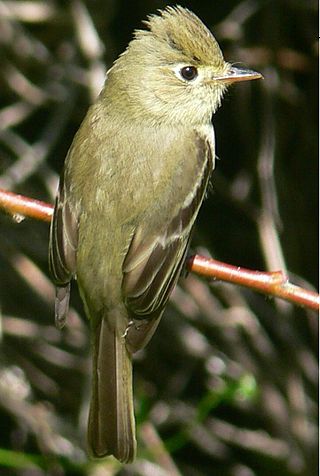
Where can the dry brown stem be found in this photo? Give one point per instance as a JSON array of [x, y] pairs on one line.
[[275, 283]]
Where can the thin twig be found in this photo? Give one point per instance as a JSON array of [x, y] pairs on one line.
[[274, 283], [23, 206], [157, 448]]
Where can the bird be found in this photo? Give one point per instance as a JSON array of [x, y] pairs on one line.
[[129, 193]]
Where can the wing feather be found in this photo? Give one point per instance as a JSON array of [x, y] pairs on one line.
[[62, 251], [153, 264]]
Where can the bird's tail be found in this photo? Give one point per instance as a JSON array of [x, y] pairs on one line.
[[111, 427]]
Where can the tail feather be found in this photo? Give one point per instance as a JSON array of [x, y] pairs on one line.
[[111, 428]]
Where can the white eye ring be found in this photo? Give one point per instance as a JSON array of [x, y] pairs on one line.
[[188, 73]]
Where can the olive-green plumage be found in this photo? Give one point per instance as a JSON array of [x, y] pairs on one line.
[[132, 185]]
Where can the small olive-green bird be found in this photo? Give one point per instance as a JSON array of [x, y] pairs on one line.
[[131, 188]]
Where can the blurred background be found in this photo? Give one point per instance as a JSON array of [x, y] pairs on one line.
[[228, 384]]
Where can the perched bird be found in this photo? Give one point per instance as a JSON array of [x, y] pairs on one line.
[[131, 188]]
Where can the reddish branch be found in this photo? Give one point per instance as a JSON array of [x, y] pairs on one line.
[[274, 283], [18, 205]]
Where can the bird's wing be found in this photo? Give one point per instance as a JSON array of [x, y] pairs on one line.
[[153, 262], [62, 251]]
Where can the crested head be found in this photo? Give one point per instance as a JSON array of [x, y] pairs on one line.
[[184, 35], [173, 72]]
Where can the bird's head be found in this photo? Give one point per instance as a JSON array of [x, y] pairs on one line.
[[174, 71]]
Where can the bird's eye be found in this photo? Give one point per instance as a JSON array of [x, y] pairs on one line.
[[189, 73]]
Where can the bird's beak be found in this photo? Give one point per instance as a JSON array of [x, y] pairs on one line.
[[237, 74]]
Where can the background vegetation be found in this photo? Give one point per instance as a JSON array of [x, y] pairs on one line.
[[229, 382]]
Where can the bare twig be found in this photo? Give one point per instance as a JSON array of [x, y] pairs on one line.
[[157, 448], [269, 220], [273, 283], [25, 207], [90, 45]]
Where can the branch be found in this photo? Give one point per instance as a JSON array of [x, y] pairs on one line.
[[20, 207], [274, 283]]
